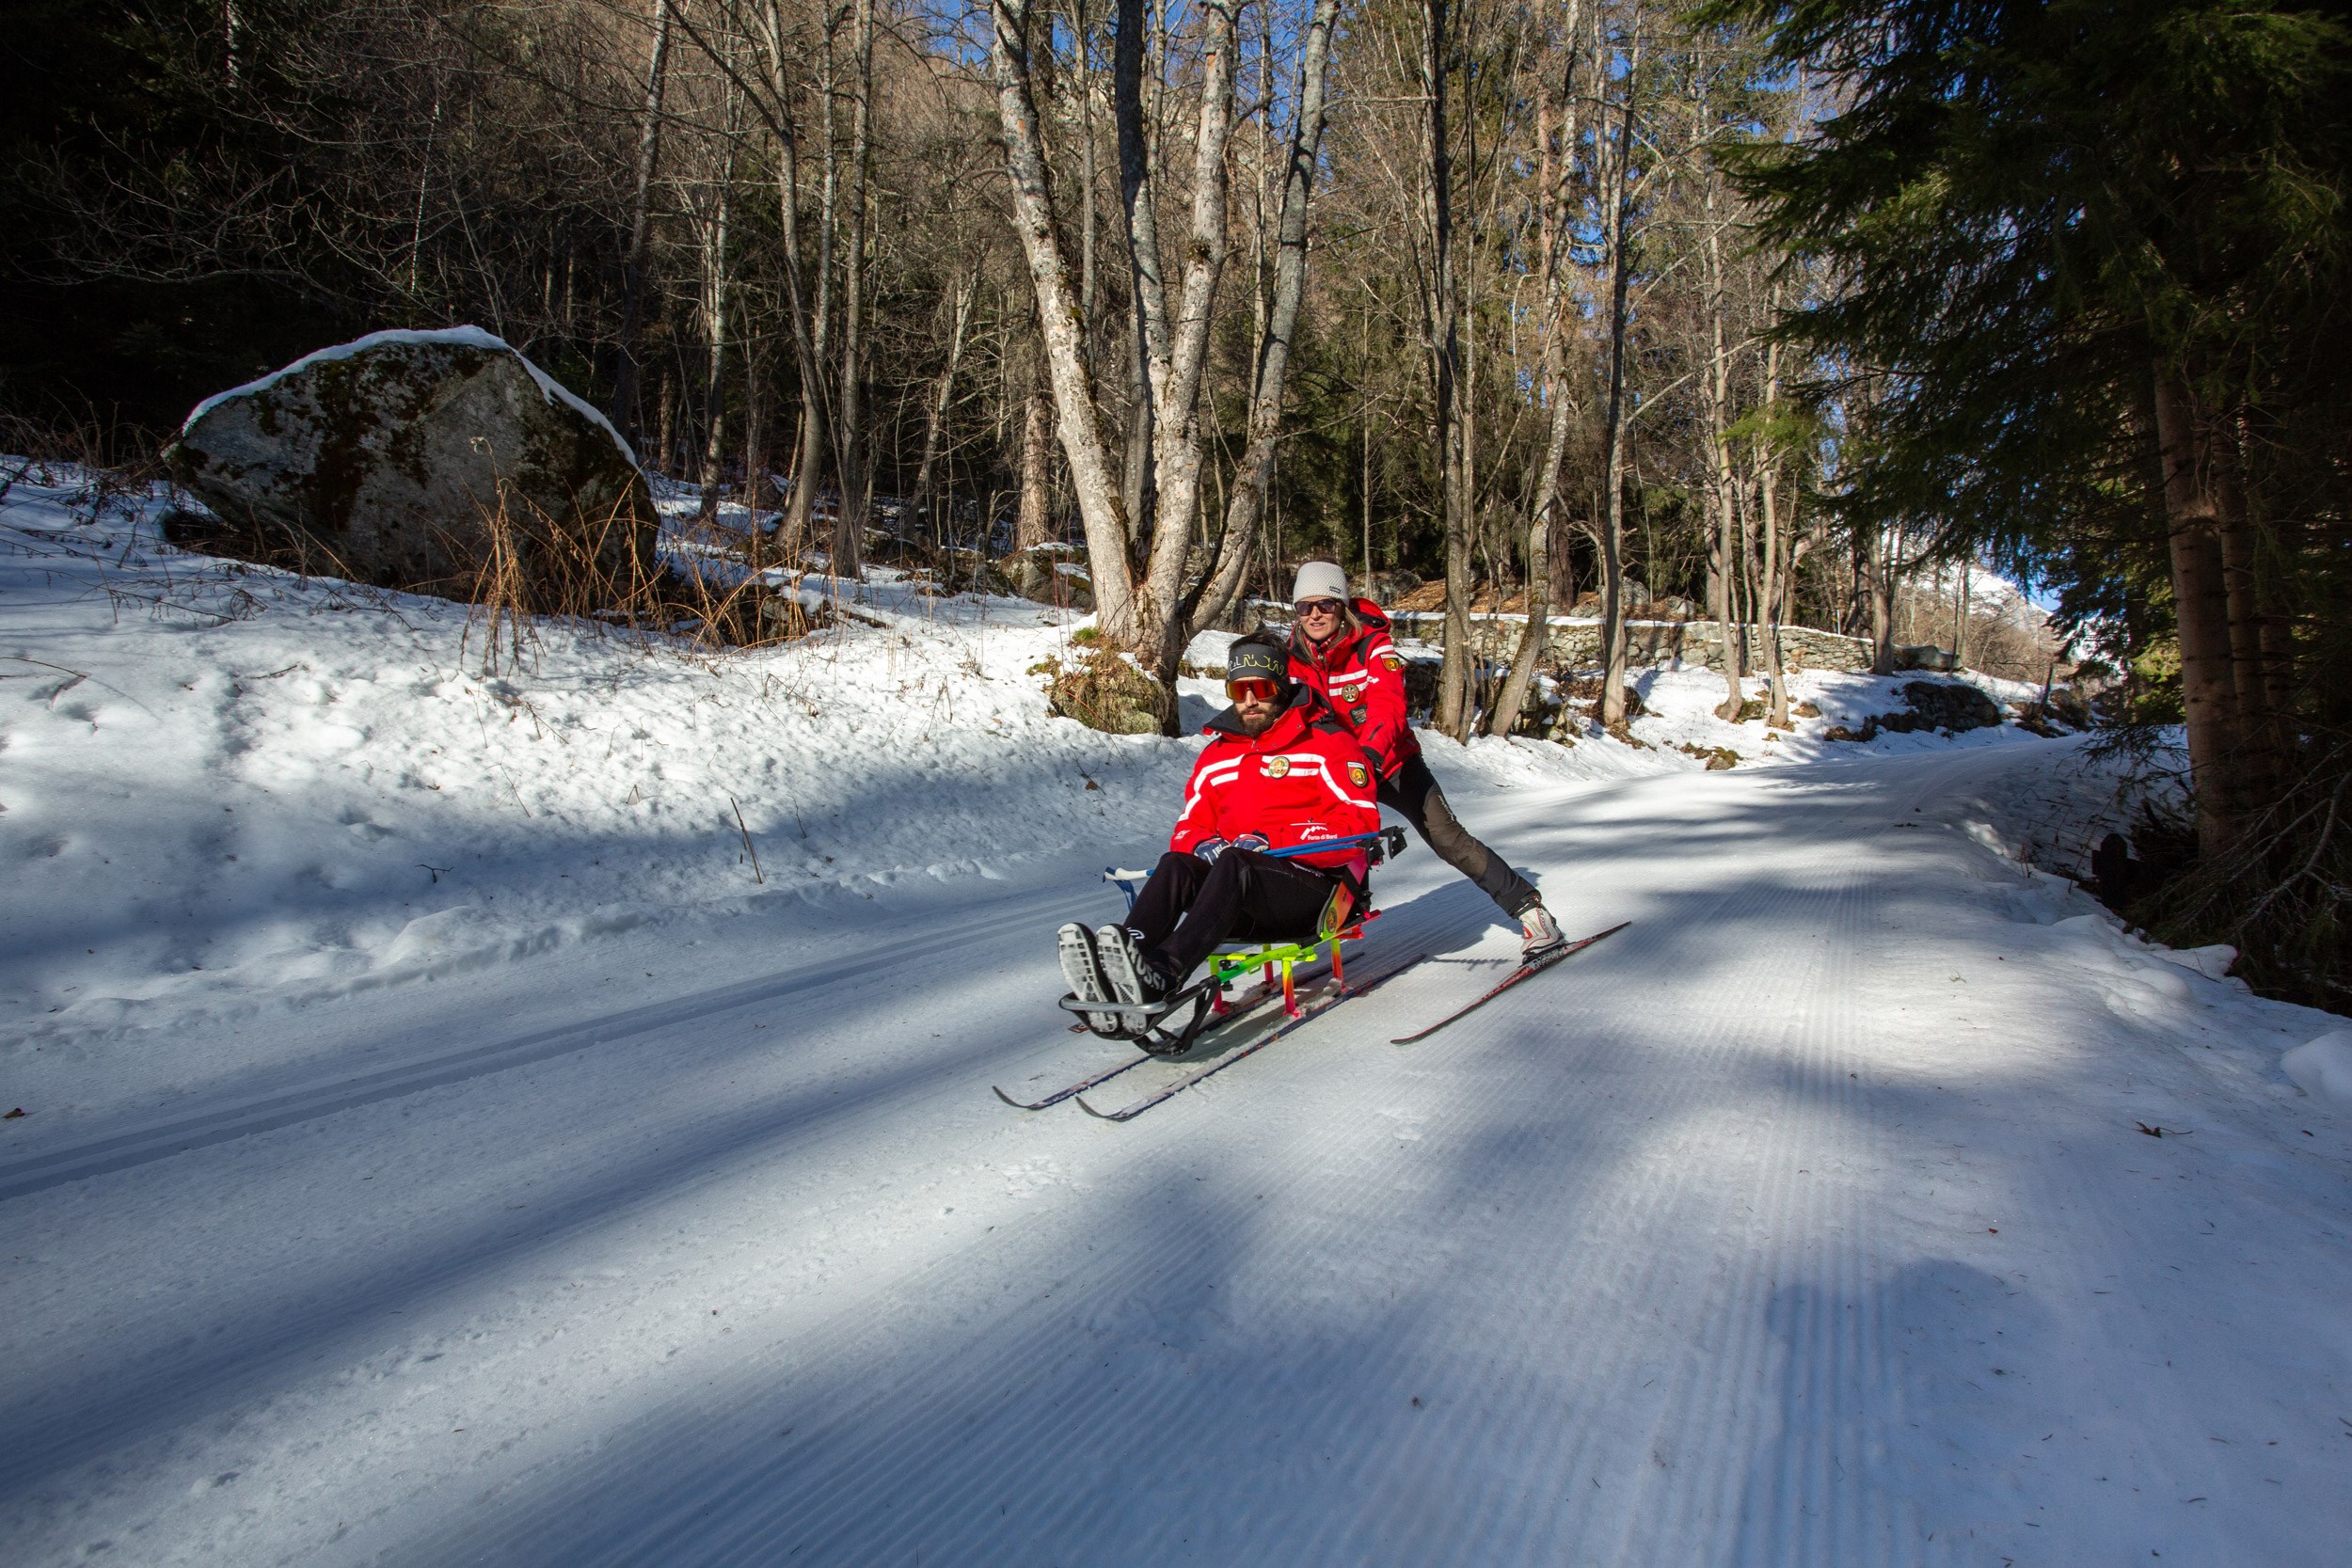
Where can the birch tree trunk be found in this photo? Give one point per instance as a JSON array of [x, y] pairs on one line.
[[1255, 472], [1555, 151], [1077, 92], [1441, 331], [816, 415], [848, 526], [1779, 561], [1722, 489], [627, 375], [943, 394], [1059, 326], [1139, 561], [807, 355], [1146, 287], [1033, 522], [1613, 705], [715, 330], [1176, 376]]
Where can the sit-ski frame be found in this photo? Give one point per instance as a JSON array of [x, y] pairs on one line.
[[1141, 1023]]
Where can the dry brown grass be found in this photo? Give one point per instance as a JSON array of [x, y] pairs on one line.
[[539, 567]]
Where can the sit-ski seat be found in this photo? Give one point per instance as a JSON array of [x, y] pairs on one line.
[[1202, 1003]]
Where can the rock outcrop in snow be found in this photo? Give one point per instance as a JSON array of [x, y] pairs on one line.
[[384, 459], [1107, 693]]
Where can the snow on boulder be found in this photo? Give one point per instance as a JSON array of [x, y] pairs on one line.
[[2323, 1070], [417, 460]]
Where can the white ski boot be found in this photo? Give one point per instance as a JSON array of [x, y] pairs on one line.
[[1130, 977], [1084, 971], [1539, 933]]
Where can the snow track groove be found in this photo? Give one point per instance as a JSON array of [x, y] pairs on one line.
[[124, 1151]]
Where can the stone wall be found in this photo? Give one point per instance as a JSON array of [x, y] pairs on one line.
[[1575, 643]]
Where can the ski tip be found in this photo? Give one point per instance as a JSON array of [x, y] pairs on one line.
[[1100, 1116], [1016, 1104]]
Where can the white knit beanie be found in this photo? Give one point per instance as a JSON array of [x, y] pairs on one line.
[[1319, 579]]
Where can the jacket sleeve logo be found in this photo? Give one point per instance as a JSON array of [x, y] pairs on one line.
[[1357, 776], [1391, 663]]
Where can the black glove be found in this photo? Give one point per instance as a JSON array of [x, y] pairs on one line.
[[1209, 848]]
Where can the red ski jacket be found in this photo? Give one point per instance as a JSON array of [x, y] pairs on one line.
[[1361, 675], [1305, 779]]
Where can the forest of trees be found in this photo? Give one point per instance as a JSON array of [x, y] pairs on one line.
[[1776, 308]]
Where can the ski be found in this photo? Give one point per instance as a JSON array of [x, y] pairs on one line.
[[1306, 1015], [1525, 971], [1234, 1013], [1079, 1087]]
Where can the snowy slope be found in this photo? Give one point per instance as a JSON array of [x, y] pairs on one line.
[[226, 786], [1810, 1220]]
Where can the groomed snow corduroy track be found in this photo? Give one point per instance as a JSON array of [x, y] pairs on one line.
[[1807, 1221]]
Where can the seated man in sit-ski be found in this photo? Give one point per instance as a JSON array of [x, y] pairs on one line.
[[1278, 771]]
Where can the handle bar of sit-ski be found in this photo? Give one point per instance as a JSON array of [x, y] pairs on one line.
[[1130, 882]]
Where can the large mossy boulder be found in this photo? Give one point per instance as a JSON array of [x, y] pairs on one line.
[[426, 461], [1043, 574], [1107, 693], [1953, 705]]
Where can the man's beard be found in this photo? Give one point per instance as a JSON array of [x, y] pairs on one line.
[[1259, 723]]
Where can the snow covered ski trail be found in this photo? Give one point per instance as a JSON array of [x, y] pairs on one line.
[[1812, 1228]]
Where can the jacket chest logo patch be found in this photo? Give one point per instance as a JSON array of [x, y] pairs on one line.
[[1357, 776], [1277, 765], [1349, 693]]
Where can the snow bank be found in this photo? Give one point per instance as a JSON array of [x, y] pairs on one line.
[[2046, 811], [2323, 1070], [226, 787], [1681, 700], [2052, 810]]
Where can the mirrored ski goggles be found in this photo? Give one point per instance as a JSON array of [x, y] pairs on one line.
[[1252, 689], [1319, 606]]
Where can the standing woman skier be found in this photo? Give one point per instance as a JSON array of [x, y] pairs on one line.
[[1340, 648]]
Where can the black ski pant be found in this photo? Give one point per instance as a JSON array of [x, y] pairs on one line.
[[1190, 905], [1414, 795]]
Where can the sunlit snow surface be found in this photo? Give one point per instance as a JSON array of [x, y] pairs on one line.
[[439, 1147]]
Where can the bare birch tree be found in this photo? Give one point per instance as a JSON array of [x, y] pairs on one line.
[[1155, 610]]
